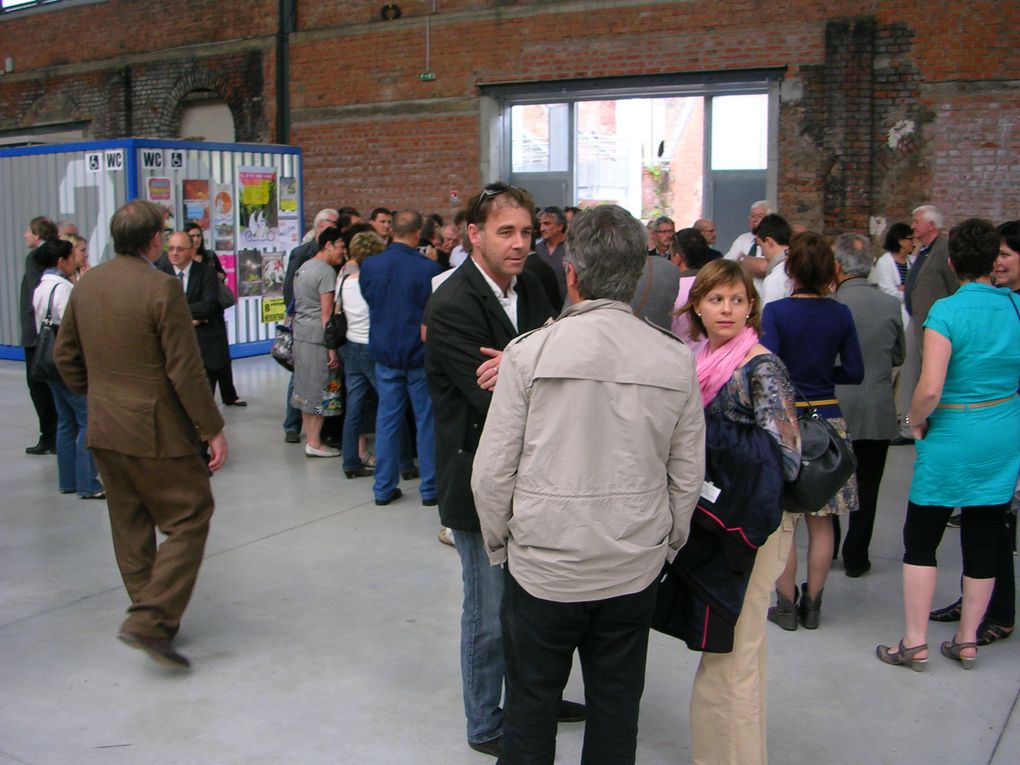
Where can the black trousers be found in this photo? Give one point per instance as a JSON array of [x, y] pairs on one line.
[[539, 640], [1002, 607], [861, 524], [42, 400], [224, 376]]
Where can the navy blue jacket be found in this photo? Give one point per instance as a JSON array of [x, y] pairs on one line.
[[396, 284]]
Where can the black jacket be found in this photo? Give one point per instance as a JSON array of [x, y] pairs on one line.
[[203, 301], [463, 316]]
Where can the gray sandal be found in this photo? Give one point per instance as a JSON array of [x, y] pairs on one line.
[[951, 650], [904, 656]]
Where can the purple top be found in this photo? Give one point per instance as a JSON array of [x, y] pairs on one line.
[[809, 334]]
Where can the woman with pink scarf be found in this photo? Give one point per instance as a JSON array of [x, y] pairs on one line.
[[742, 381]]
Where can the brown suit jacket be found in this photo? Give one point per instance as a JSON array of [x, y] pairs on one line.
[[126, 340], [935, 281]]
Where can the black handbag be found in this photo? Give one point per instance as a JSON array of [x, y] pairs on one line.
[[335, 333], [826, 463], [283, 346], [44, 369]]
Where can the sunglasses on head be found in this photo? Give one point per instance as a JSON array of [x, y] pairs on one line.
[[490, 191]]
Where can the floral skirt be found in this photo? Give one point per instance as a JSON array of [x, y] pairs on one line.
[[316, 386]]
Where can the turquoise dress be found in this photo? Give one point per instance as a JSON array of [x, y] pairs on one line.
[[971, 457]]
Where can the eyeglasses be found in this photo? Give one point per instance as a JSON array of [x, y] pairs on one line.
[[490, 191]]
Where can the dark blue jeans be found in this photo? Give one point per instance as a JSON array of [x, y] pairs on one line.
[[395, 387], [76, 472], [359, 376]]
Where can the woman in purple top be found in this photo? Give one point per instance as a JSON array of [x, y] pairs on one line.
[[809, 331]]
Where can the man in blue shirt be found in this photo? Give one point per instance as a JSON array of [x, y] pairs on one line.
[[397, 284]]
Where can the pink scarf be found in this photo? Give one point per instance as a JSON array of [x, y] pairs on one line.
[[715, 368]]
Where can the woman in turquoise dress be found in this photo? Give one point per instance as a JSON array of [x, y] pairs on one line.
[[965, 418]]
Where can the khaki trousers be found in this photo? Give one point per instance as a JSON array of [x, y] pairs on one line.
[[172, 495], [728, 702]]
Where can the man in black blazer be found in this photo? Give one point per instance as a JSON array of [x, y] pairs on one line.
[[487, 302], [201, 290]]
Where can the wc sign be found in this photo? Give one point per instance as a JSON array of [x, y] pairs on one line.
[[113, 160], [152, 159]]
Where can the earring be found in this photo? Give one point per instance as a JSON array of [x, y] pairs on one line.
[[699, 315]]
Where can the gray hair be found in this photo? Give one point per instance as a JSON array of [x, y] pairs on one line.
[[930, 213], [664, 219], [763, 203], [853, 253], [606, 247]]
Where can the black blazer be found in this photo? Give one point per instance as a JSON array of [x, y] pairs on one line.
[[462, 316], [203, 301]]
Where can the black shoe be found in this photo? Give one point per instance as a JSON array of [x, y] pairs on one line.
[[430, 502], [810, 610], [856, 571], [901, 441], [571, 711], [159, 650], [41, 448], [332, 443], [988, 633], [237, 402], [950, 613], [395, 495], [361, 472], [410, 474], [953, 522], [493, 746], [292, 437]]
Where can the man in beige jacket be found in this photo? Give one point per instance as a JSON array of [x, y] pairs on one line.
[[585, 478], [127, 341]]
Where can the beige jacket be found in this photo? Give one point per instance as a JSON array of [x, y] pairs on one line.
[[592, 456]]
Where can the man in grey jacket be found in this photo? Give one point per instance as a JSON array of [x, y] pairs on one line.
[[585, 478], [869, 408]]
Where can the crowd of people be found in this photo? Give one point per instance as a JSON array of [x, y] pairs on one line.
[[558, 381]]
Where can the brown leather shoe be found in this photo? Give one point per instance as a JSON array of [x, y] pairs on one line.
[[160, 650]]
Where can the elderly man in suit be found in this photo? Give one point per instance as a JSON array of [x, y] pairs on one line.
[[127, 341], [480, 308], [869, 408], [200, 290]]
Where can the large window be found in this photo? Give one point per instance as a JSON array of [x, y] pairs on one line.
[[697, 152]]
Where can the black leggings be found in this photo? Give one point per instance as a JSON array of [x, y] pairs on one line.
[[981, 531]]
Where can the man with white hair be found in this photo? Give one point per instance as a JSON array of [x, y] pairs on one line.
[[745, 250], [930, 278]]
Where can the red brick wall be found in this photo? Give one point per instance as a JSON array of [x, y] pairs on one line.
[[373, 133]]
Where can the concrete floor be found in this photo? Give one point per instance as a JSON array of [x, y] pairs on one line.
[[324, 630]]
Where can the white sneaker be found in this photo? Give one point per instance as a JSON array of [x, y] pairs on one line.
[[446, 536], [326, 451]]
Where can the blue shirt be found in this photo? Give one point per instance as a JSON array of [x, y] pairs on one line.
[[397, 284], [808, 334]]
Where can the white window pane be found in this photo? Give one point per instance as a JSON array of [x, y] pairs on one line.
[[540, 140], [740, 129]]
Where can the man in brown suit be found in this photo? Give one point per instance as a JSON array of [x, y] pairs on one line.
[[127, 341]]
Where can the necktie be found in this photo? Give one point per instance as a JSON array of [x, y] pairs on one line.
[[753, 251], [180, 275]]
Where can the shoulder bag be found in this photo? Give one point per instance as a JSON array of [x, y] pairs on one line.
[[225, 295], [826, 463], [44, 369], [283, 345], [335, 333]]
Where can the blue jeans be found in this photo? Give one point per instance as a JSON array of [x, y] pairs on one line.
[[359, 375], [292, 420], [395, 387], [76, 472], [481, 639]]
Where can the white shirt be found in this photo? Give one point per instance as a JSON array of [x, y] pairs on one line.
[[355, 308], [187, 275], [55, 282], [458, 256], [507, 301], [777, 284]]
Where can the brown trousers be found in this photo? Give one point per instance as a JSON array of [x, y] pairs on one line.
[[172, 495]]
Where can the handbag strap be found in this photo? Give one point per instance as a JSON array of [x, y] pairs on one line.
[[49, 306], [648, 286], [1009, 295], [340, 295]]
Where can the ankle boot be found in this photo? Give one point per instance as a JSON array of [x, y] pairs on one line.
[[784, 612], [810, 610]]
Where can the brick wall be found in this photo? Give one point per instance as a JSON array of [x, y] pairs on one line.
[[901, 103]]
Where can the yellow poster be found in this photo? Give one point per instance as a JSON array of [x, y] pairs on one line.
[[273, 310]]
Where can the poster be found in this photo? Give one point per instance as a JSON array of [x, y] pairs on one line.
[[273, 310], [249, 273], [272, 274], [229, 262], [195, 197], [158, 190], [288, 197], [287, 237], [256, 206], [223, 219]]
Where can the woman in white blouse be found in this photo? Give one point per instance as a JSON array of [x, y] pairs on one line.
[[890, 271]]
